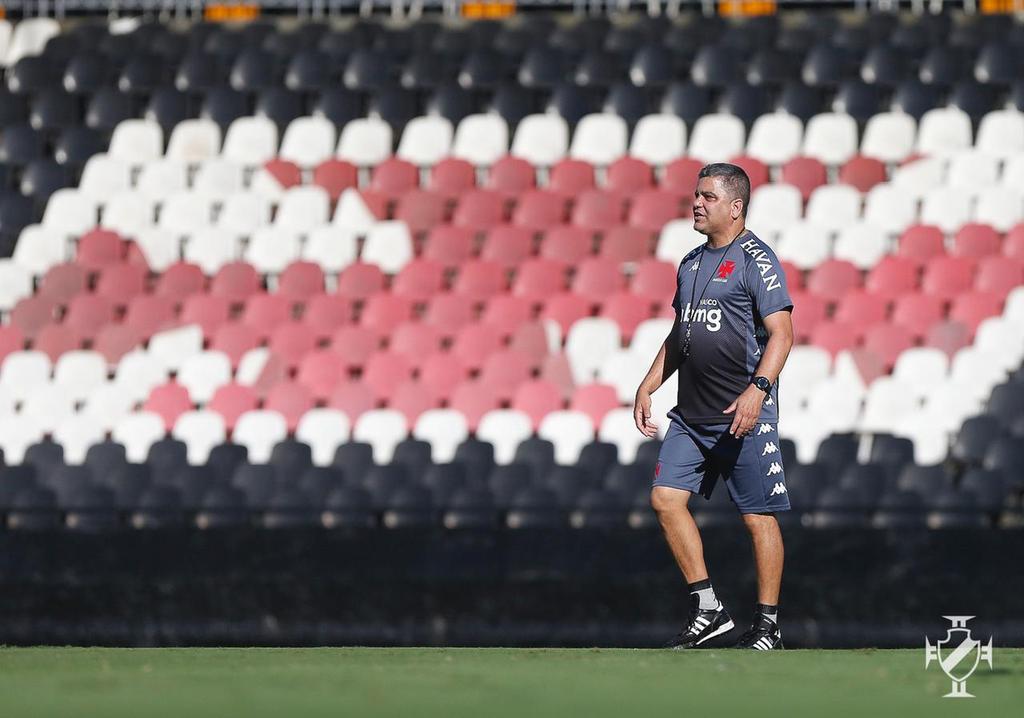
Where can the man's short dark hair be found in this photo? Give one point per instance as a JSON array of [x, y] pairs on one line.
[[736, 182]]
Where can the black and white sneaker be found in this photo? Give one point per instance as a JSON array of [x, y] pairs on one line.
[[702, 626], [764, 635]]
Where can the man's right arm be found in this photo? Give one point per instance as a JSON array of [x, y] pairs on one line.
[[665, 363]]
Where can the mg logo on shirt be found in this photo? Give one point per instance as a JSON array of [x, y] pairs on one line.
[[710, 318]]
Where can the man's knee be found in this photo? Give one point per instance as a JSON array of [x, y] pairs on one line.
[[667, 501], [760, 523]]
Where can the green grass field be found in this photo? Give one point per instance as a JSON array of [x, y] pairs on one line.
[[493, 682]]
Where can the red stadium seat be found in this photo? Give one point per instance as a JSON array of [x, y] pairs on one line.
[[892, 277], [207, 311], [121, 282], [354, 345], [285, 173], [809, 311], [567, 308], [949, 336], [539, 210], [507, 245], [538, 279], [12, 339], [599, 210], [291, 400], [863, 173], [833, 278], [148, 313], [537, 398], [626, 243], [169, 401], [475, 342], [976, 241], [888, 341], [556, 370], [452, 177], [567, 245], [384, 371], [918, 312], [804, 173], [86, 313], [505, 370], [681, 175], [479, 210], [473, 399], [972, 308], [113, 342], [756, 170], [999, 275], [946, 277], [411, 398], [479, 280], [511, 176], [441, 372], [100, 248], [654, 280], [862, 308], [794, 276], [652, 209], [320, 371], [376, 202], [414, 340], [419, 280], [236, 281], [449, 313], [360, 281], [449, 245], [627, 310], [181, 280], [353, 398], [235, 339], [63, 281], [596, 278], [301, 280], [531, 339], [835, 337], [506, 312], [56, 339], [32, 313], [231, 401], [595, 400], [265, 312], [921, 243], [325, 313], [292, 341], [629, 175], [1013, 242], [570, 177], [336, 176], [420, 209], [385, 311], [393, 177]]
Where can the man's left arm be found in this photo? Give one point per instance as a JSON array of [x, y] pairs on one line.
[[747, 406]]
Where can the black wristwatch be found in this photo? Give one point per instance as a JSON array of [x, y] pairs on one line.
[[762, 383]]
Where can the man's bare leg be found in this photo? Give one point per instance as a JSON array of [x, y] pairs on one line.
[[768, 555], [680, 531]]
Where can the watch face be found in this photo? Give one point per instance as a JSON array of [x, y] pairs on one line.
[[762, 384]]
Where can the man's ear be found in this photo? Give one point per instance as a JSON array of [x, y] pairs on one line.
[[736, 208]]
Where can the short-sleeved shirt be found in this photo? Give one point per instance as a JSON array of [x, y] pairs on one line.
[[745, 283]]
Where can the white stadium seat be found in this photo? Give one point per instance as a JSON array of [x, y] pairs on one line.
[[352, 214], [138, 373], [619, 428], [186, 213], [258, 430], [947, 208], [79, 372], [382, 429], [889, 400], [889, 137], [505, 429], [271, 249], [658, 139], [1001, 207], [972, 171], [218, 178], [203, 373], [919, 177], [444, 430], [862, 243], [806, 367], [773, 208], [331, 247], [23, 372], [624, 370], [201, 430], [129, 214], [108, 404], [303, 208], [805, 244], [17, 433], [172, 347], [389, 246], [137, 141], [831, 138], [943, 131], [40, 248], [569, 431], [250, 141], [775, 138], [1001, 134], [426, 140], [599, 139], [162, 178], [48, 405], [717, 137], [104, 176], [137, 432], [481, 139], [541, 139], [308, 141], [921, 369], [76, 433], [70, 211], [29, 38], [889, 207], [589, 342], [160, 247], [15, 283], [243, 213], [194, 141], [676, 240], [211, 248], [365, 142], [323, 430], [834, 206]]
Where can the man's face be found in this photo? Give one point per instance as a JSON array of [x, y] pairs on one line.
[[713, 209]]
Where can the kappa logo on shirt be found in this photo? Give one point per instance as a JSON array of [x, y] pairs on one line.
[[779, 488], [724, 271], [694, 266], [775, 468], [769, 448]]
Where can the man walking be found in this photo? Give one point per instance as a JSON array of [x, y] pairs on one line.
[[729, 342]]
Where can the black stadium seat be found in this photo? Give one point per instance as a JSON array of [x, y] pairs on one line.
[[653, 65], [915, 98], [310, 70], [76, 145], [944, 65], [452, 102], [483, 69], [747, 102], [318, 482], [858, 99], [224, 105], [800, 100], [53, 110], [166, 457], [355, 459], [772, 67], [884, 66], [628, 102], [715, 66], [225, 458], [291, 458], [974, 438], [143, 73], [339, 105], [32, 74], [41, 178], [477, 457], [368, 71], [253, 70], [87, 72], [349, 508], [200, 72], [159, 507], [687, 101], [257, 481], [168, 106], [108, 108]]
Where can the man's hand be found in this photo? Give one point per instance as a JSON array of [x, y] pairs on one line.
[[747, 407], [642, 415]]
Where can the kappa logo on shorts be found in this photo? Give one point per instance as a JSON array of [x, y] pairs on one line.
[[769, 448], [775, 468], [779, 488], [765, 429], [769, 402]]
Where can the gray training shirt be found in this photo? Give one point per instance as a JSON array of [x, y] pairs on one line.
[[745, 283]]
